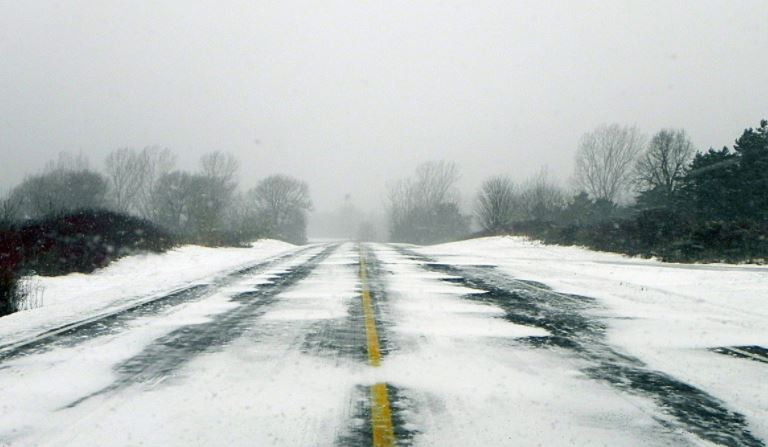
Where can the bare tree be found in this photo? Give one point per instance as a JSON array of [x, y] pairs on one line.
[[68, 162], [10, 207], [401, 204], [133, 176], [215, 188], [435, 182], [124, 170], [605, 159], [497, 203], [60, 190], [664, 161], [281, 203], [425, 208], [241, 219], [154, 163], [541, 197], [220, 165], [172, 199]]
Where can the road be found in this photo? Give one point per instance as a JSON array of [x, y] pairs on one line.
[[351, 344]]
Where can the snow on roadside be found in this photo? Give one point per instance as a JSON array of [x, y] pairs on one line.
[[76, 296], [663, 313]]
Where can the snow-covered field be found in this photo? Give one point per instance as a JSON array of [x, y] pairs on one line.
[[75, 296], [665, 314]]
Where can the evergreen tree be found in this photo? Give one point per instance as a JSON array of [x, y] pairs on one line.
[[752, 151], [730, 185], [709, 189]]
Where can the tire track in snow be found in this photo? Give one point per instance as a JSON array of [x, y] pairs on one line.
[[159, 361], [754, 353], [115, 320], [691, 409]]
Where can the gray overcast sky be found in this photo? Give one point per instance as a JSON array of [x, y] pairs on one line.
[[349, 94]]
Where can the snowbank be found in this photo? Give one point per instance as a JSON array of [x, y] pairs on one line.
[[75, 296]]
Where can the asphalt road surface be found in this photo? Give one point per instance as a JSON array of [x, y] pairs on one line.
[[349, 345]]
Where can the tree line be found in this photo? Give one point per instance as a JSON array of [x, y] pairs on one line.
[[425, 208], [202, 206], [655, 197], [652, 196]]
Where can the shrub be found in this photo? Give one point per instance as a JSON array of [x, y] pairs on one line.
[[78, 242], [8, 288], [81, 241], [660, 233], [18, 293]]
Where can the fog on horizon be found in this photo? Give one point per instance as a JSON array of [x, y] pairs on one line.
[[350, 95]]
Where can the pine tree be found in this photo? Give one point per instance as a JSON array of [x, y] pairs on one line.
[[752, 151], [710, 189]]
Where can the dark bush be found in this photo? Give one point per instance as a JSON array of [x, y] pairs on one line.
[[8, 288], [661, 233], [78, 242]]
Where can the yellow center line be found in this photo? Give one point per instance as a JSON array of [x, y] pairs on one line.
[[381, 416], [372, 337]]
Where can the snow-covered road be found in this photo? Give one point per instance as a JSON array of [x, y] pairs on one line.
[[491, 342]]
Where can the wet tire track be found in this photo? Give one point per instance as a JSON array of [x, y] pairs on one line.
[[163, 357], [113, 322], [691, 409], [754, 353]]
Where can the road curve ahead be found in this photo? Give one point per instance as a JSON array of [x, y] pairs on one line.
[[351, 345]]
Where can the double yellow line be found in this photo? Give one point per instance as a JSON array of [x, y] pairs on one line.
[[381, 415]]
